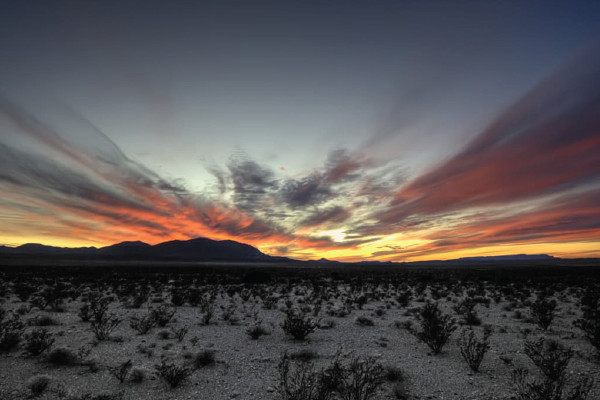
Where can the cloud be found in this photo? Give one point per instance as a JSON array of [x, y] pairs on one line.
[[307, 191], [334, 214], [99, 187], [547, 142], [252, 184]]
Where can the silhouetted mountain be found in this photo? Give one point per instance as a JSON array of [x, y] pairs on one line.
[[128, 249], [510, 257], [324, 261], [200, 249], [208, 249], [40, 249]]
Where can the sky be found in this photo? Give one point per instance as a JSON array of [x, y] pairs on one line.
[[384, 130]]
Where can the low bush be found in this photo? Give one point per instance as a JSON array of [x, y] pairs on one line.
[[38, 384], [121, 371], [436, 327], [393, 374], [62, 356], [589, 323], [298, 325], [142, 325], [104, 325], [172, 373], [38, 341], [137, 375], [11, 330], [359, 379], [256, 331], [549, 356], [552, 359], [542, 311], [472, 348], [204, 358], [162, 315], [43, 320], [180, 333], [364, 321], [304, 355]]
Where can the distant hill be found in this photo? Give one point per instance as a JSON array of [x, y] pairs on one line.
[[203, 249], [200, 249], [512, 257]]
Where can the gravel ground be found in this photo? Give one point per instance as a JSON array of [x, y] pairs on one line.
[[247, 369]]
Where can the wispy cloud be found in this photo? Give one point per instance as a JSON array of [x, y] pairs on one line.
[[531, 176]]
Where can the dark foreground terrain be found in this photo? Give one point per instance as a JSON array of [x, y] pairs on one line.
[[182, 330]]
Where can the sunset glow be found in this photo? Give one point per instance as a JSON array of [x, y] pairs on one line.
[[364, 138]]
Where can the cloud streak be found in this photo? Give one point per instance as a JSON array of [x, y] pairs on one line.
[[532, 176], [547, 142]]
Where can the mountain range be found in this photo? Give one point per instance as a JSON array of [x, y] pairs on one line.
[[203, 249], [200, 249]]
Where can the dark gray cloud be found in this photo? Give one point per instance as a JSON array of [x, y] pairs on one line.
[[308, 191], [545, 143], [91, 179], [252, 184], [335, 214]]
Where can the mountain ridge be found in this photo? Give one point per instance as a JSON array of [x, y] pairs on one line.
[[204, 249]]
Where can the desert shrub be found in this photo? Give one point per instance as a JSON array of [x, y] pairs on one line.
[[393, 374], [269, 302], [547, 389], [589, 323], [91, 363], [43, 320], [436, 327], [38, 341], [404, 297], [552, 359], [62, 356], [204, 358], [104, 326], [400, 392], [162, 315], [172, 373], [101, 396], [357, 380], [38, 384], [466, 309], [549, 356], [300, 381], [137, 375], [180, 333], [85, 312], [542, 311], [142, 325], [121, 371], [297, 325], [11, 330], [207, 305], [364, 321], [472, 348], [139, 297], [327, 324], [51, 296], [304, 355], [95, 308], [255, 331], [163, 334], [23, 290], [177, 297]]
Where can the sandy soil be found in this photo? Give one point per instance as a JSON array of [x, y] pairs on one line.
[[247, 369]]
